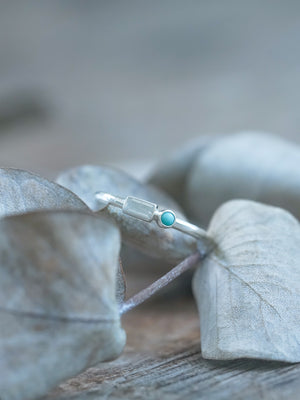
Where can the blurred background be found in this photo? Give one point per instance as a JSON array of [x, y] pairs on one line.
[[127, 82]]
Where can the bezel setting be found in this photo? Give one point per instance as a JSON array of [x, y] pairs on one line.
[[167, 213]]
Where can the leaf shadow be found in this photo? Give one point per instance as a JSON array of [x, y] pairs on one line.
[[247, 364]]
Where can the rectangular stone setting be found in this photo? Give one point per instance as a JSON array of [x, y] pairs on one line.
[[138, 208]]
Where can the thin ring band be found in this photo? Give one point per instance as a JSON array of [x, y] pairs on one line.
[[146, 211]]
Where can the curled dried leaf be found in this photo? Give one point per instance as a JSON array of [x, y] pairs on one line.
[[58, 308], [249, 165], [171, 174], [169, 244], [22, 191], [248, 288]]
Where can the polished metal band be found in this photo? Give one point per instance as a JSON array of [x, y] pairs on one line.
[[147, 211]]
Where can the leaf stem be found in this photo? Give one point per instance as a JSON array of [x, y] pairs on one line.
[[144, 294]]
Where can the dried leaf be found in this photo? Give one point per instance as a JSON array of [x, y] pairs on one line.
[[21, 191], [58, 308], [171, 174], [254, 166], [248, 288], [169, 244]]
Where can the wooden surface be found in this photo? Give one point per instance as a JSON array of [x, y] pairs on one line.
[[162, 360]]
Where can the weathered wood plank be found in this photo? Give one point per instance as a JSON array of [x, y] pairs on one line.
[[162, 360]]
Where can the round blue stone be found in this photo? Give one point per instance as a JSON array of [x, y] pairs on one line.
[[167, 218]]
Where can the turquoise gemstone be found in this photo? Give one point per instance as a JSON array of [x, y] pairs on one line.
[[167, 218]]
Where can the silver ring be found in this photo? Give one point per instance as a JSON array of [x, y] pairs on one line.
[[147, 211]]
